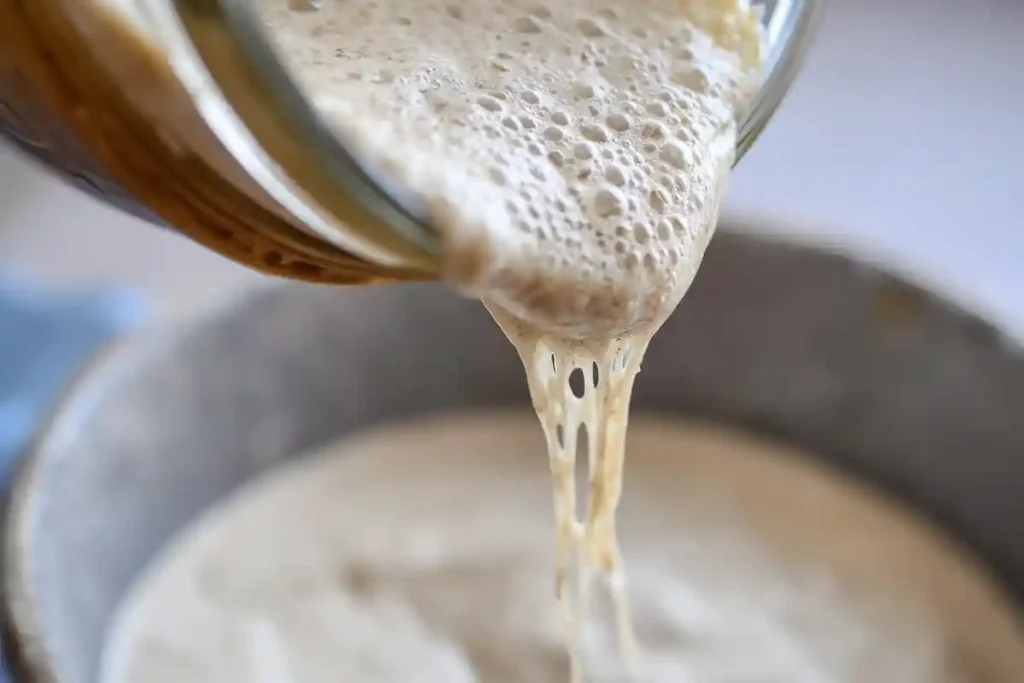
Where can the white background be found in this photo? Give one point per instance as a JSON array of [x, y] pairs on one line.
[[902, 140]]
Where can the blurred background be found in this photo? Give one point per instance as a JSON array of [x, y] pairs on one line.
[[902, 138]]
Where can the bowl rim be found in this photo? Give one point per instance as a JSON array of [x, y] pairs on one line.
[[23, 650]]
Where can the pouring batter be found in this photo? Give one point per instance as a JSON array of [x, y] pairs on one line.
[[573, 156]]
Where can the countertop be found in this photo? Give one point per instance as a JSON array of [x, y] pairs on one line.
[[900, 141]]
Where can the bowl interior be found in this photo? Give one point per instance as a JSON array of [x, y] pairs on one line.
[[855, 365]]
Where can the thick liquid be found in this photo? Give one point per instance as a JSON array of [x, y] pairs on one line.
[[573, 157], [421, 553]]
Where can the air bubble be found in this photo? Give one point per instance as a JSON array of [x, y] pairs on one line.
[[497, 176], [615, 176], [678, 156], [553, 133], [657, 201], [641, 235], [489, 103], [608, 202], [527, 122], [454, 11], [653, 130], [542, 12], [583, 151], [404, 21], [594, 132], [684, 54], [590, 28], [527, 25], [583, 91], [577, 382], [664, 230], [620, 123], [560, 118], [510, 123], [649, 261], [657, 109], [530, 97], [557, 159], [694, 79]]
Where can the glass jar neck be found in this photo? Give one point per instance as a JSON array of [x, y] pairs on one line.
[[221, 54]]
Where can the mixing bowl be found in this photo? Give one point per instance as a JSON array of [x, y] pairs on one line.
[[881, 379]]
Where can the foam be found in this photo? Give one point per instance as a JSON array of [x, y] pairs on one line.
[[573, 155]]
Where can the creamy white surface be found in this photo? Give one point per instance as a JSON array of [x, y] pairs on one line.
[[423, 552], [571, 154]]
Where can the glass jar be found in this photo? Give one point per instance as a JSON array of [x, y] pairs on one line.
[[178, 112]]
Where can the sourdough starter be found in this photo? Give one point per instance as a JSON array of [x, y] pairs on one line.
[[572, 157]]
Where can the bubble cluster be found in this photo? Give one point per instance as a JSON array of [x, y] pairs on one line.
[[573, 153]]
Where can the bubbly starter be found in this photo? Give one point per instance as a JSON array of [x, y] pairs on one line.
[[573, 156]]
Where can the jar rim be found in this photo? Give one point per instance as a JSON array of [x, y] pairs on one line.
[[221, 53]]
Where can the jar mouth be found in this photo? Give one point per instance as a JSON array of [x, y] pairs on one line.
[[222, 55], [790, 27]]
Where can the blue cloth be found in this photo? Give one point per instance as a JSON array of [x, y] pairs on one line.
[[46, 336]]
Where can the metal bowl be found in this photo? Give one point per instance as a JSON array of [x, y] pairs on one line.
[[883, 380]]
